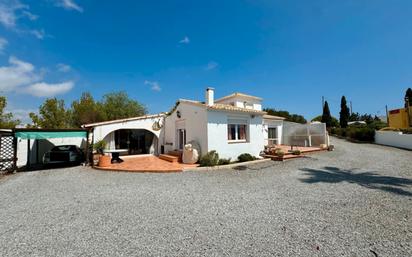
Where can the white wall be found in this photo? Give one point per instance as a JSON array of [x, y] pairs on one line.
[[392, 138], [217, 134], [193, 119], [44, 145], [278, 124], [104, 131], [239, 102]]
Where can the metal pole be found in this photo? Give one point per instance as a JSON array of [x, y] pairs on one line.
[[14, 152], [387, 115], [28, 153]]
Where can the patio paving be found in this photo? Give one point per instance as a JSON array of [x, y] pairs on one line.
[[148, 163]]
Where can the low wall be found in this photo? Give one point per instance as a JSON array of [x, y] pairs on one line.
[[392, 138]]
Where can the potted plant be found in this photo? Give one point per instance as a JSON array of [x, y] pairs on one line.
[[104, 160], [280, 153]]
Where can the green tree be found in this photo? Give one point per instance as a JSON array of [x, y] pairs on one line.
[[52, 115], [326, 117], [334, 122], [119, 105], [85, 111], [344, 113], [6, 119], [408, 96], [285, 114]]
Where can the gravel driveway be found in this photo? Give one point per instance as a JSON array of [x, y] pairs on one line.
[[355, 201]]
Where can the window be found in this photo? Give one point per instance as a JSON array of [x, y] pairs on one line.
[[272, 136], [237, 132]]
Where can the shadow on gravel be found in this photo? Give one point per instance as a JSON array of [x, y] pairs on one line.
[[365, 179]]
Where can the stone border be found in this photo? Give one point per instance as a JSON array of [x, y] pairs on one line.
[[228, 166]]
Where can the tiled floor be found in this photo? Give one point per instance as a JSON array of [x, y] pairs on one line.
[[147, 163]]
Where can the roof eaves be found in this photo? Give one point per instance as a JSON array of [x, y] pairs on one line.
[[123, 120], [236, 94]]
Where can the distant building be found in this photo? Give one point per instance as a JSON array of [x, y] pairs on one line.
[[400, 118]]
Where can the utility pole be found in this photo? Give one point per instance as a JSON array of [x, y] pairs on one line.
[[387, 115]]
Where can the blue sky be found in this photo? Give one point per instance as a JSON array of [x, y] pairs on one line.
[[288, 52]]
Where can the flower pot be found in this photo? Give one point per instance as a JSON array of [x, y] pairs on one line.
[[96, 157], [104, 161]]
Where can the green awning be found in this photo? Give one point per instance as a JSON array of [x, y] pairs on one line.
[[46, 135]]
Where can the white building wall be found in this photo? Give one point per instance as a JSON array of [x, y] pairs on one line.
[[217, 134], [104, 131], [193, 119], [396, 139], [240, 102], [278, 124]]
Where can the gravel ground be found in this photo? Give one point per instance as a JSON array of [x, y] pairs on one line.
[[354, 201]]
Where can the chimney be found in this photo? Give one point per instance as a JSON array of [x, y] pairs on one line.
[[210, 98]]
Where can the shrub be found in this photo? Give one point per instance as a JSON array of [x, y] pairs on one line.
[[224, 161], [99, 146], [209, 159], [279, 152], [407, 131], [296, 152], [338, 131], [245, 157], [363, 134]]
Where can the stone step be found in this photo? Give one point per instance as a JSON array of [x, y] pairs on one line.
[[176, 153], [169, 158]]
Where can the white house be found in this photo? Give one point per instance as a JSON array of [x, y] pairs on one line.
[[231, 125]]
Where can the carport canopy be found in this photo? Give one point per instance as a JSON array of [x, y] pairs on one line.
[[49, 134], [38, 134]]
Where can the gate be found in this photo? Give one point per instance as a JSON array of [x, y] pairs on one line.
[[7, 152]]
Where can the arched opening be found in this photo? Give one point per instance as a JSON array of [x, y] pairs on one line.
[[136, 141]]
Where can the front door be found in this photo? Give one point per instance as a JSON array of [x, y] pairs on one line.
[[181, 138]]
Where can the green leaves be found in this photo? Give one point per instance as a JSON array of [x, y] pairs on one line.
[[326, 116], [285, 114], [117, 105], [344, 113], [52, 115], [6, 119]]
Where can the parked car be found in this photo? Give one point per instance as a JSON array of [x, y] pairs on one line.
[[64, 154]]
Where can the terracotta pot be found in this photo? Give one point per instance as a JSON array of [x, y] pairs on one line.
[[104, 161], [96, 159]]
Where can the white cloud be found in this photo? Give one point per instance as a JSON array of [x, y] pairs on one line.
[[44, 89], [20, 76], [211, 65], [17, 74], [30, 16], [40, 34], [8, 12], [63, 67], [13, 10], [22, 114], [3, 44], [154, 85], [185, 40], [69, 5]]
